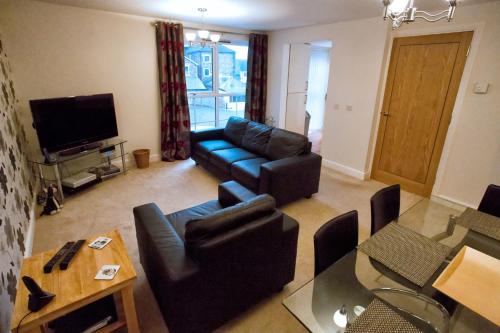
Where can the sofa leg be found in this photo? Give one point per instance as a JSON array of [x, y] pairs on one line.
[[308, 196]]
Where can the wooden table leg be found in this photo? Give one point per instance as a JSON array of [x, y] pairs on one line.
[[129, 309]]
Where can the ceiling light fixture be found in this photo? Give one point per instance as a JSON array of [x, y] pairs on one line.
[[399, 11], [205, 36]]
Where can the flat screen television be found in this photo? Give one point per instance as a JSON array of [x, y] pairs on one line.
[[68, 122]]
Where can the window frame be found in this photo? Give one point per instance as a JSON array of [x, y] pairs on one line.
[[235, 40]]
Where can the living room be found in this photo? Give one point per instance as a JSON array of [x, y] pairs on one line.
[[256, 51]]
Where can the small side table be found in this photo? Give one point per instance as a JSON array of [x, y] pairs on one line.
[[76, 287]]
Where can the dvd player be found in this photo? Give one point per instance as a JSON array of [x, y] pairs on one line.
[[79, 179]]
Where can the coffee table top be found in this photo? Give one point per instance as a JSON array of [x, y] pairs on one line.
[[74, 287]]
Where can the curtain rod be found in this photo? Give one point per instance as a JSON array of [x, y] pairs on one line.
[[154, 23]]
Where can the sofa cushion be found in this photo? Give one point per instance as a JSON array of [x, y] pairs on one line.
[[200, 229], [180, 218], [225, 157], [205, 147], [247, 172], [256, 137], [284, 144], [235, 129]]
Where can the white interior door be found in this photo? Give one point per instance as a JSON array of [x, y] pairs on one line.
[[298, 75], [298, 68], [296, 112]]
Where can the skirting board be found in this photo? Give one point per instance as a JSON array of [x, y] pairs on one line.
[[129, 160], [30, 233], [458, 202], [345, 169]]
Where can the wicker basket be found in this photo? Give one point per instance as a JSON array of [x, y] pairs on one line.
[[141, 158]]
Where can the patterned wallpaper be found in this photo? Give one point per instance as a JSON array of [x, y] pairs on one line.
[[16, 192]]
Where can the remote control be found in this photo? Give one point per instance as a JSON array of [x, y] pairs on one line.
[[71, 253], [55, 259]]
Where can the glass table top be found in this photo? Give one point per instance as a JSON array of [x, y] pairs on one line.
[[351, 281]]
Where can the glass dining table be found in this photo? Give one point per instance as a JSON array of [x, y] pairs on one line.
[[355, 280]]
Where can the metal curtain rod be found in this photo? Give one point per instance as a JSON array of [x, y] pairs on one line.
[[154, 23]]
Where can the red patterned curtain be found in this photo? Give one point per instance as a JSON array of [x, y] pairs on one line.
[[255, 106], [175, 124]]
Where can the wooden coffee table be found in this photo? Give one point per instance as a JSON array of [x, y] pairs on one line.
[[76, 287]]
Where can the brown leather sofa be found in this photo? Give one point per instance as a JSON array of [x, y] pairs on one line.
[[208, 263], [262, 158]]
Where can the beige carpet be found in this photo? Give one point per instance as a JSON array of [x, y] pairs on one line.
[[175, 186]]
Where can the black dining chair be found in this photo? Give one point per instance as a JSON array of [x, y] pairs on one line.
[[490, 203], [334, 240], [384, 207]]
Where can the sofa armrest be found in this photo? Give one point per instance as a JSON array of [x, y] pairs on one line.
[[291, 178], [209, 134], [162, 251], [232, 193]]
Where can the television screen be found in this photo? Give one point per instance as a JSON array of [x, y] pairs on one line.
[[67, 122]]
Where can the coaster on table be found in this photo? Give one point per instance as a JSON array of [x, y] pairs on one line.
[[380, 318], [107, 272], [406, 252], [480, 222], [100, 242]]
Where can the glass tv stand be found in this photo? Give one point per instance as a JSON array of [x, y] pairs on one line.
[[59, 161]]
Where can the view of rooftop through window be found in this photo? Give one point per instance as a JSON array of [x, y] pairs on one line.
[[216, 81]]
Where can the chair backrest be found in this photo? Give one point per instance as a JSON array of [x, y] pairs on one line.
[[490, 203], [334, 240], [384, 207]]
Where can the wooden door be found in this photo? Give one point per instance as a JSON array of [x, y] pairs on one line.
[[422, 84]]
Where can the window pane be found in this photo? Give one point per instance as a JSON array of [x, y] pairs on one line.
[[199, 68], [230, 106], [202, 112], [232, 68]]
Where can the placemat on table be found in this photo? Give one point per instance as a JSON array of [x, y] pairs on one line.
[[406, 252], [480, 222], [380, 318]]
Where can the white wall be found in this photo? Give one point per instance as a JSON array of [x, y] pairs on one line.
[[359, 60], [62, 51], [356, 61]]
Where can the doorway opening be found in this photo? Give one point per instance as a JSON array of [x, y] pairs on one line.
[[319, 72]]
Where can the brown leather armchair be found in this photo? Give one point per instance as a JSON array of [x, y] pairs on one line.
[[208, 263]]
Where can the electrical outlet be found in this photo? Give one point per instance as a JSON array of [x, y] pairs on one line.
[[348, 107]]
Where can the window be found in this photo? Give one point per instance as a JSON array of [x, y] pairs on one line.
[[217, 83]]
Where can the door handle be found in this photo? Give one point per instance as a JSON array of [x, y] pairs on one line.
[[385, 114]]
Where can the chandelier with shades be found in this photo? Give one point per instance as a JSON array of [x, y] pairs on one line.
[[203, 36], [403, 11]]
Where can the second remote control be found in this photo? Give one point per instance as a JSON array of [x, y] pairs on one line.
[[70, 254], [58, 256]]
